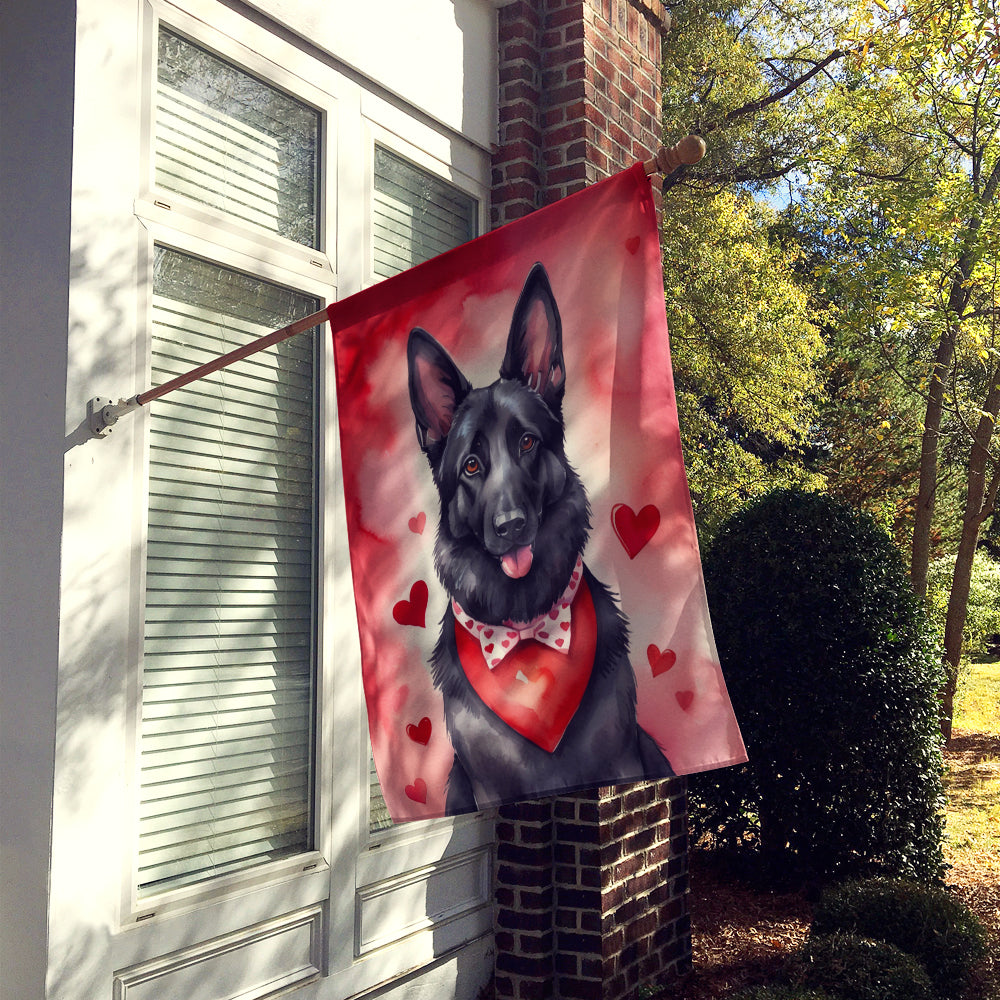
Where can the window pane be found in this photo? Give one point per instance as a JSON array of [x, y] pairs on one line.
[[228, 655], [416, 216], [228, 140]]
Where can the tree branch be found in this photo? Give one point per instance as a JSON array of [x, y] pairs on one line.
[[754, 106], [899, 176], [723, 178]]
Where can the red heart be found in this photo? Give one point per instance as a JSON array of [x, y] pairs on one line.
[[412, 612], [684, 699], [632, 244], [417, 791], [660, 662], [421, 732], [418, 523], [634, 530]]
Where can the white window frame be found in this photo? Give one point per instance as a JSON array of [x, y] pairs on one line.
[[390, 859], [394, 132], [183, 225], [196, 244], [351, 875]]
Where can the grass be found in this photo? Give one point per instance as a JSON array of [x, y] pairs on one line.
[[978, 698], [973, 781]]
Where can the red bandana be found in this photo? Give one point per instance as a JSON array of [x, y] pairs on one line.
[[535, 689]]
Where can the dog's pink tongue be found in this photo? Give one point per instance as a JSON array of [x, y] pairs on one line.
[[517, 562]]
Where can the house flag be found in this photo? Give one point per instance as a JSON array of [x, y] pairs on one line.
[[529, 595]]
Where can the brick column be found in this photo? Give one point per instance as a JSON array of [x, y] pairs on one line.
[[579, 96], [524, 902], [517, 159], [591, 889], [621, 882]]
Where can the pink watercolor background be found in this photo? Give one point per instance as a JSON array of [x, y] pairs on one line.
[[601, 251]]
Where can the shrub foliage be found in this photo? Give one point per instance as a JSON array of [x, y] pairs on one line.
[[856, 968], [833, 673], [924, 921]]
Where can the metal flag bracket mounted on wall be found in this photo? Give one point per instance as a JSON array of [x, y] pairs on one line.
[[103, 413]]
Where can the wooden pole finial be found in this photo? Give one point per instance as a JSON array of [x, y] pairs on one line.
[[668, 158]]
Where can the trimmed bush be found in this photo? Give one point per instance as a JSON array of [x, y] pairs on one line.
[[856, 968], [925, 922], [833, 672]]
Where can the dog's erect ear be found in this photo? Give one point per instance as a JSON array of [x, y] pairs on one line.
[[534, 347], [437, 387]]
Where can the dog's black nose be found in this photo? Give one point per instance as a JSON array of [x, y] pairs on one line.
[[509, 523]]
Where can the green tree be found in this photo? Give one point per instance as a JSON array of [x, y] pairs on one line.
[[747, 77], [911, 187], [833, 672], [747, 356], [747, 352], [879, 122], [868, 426], [982, 620]]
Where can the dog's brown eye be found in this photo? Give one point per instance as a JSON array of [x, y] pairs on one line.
[[527, 442], [471, 465]]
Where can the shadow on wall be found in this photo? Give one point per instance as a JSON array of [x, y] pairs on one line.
[[95, 703], [473, 965]]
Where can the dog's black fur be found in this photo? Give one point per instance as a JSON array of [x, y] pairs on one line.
[[498, 461]]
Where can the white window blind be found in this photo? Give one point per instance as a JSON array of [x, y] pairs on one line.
[[228, 676], [228, 658], [230, 141], [416, 216]]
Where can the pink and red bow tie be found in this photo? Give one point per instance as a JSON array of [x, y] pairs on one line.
[[553, 628]]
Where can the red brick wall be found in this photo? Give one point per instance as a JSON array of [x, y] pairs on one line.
[[524, 902], [579, 96], [590, 890], [591, 893]]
